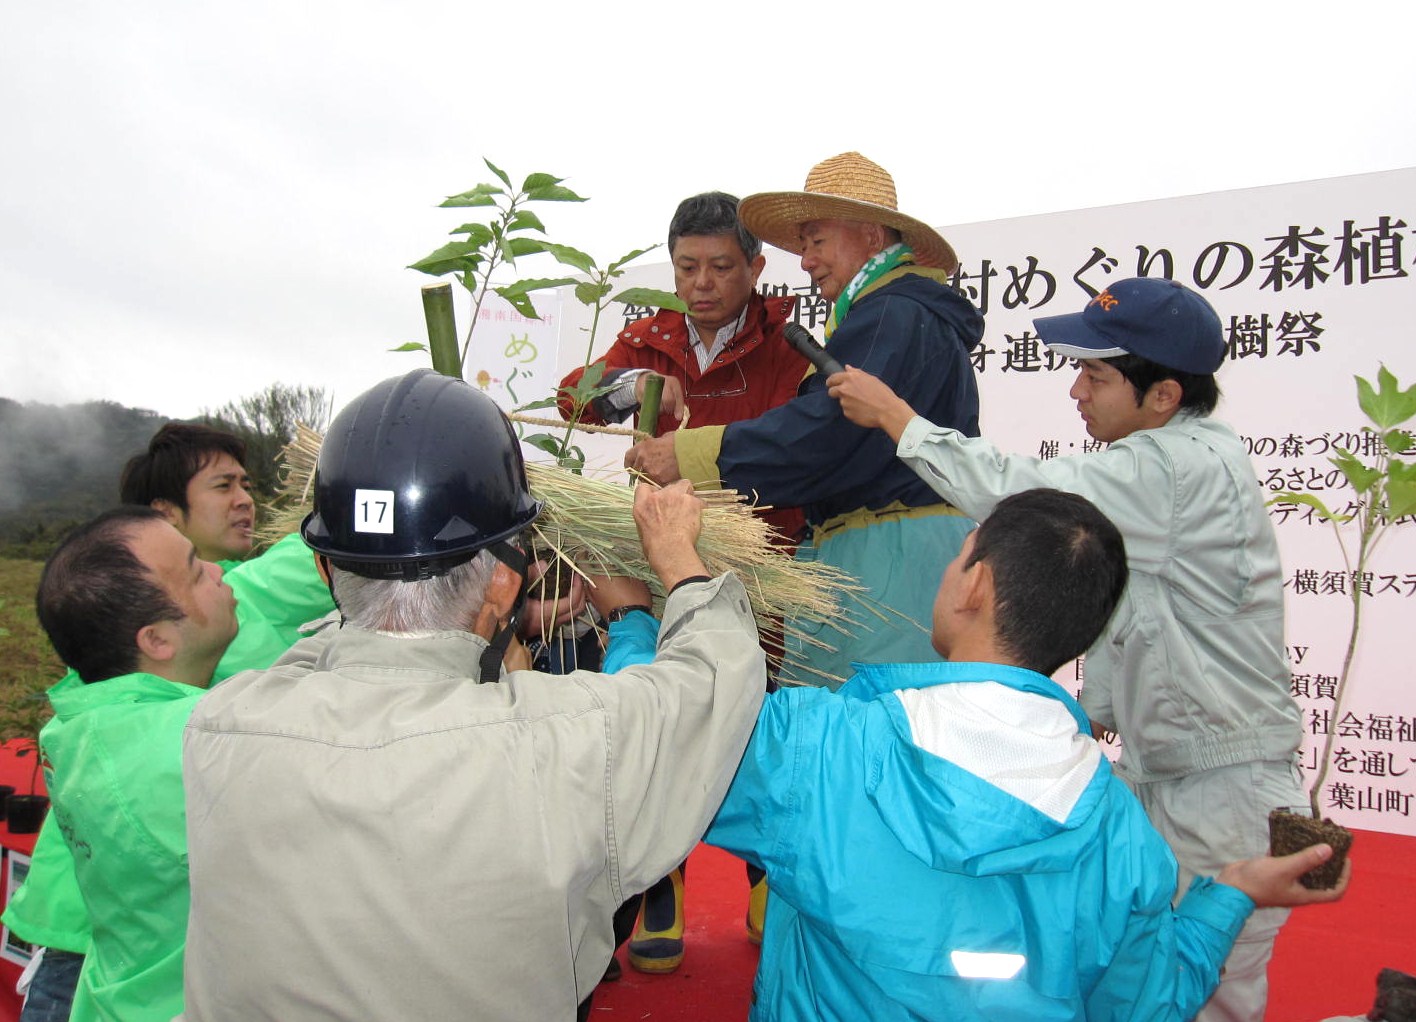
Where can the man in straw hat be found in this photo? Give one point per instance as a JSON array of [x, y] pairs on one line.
[[1191, 671], [893, 311]]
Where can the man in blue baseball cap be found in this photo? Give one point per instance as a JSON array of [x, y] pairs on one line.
[[1191, 671]]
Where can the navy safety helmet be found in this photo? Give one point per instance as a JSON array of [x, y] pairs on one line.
[[417, 475]]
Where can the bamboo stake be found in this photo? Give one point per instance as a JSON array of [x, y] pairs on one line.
[[649, 405], [442, 329]]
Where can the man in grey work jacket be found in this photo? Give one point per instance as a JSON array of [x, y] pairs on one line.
[[1191, 671], [397, 826]]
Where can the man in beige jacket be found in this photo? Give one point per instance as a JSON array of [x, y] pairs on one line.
[[373, 833]]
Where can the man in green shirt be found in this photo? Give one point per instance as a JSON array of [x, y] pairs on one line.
[[143, 621], [195, 477]]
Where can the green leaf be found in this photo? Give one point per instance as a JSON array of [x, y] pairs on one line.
[[544, 442], [521, 303], [588, 387], [1362, 477], [411, 346], [1401, 488], [573, 459], [479, 196], [1388, 405], [568, 256], [545, 402], [523, 246], [478, 234], [525, 220], [630, 257], [1289, 497], [1402, 471], [650, 296], [1397, 441], [497, 171], [589, 292], [1401, 498], [534, 181], [455, 255], [581, 397], [522, 287], [593, 374], [553, 193]]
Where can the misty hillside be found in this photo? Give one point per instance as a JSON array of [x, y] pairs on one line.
[[60, 465]]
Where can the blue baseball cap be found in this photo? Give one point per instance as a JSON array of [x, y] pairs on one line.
[[1158, 319]]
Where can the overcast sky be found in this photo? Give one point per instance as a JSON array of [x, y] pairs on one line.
[[197, 200]]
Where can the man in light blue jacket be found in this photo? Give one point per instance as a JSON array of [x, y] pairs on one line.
[[947, 841], [1191, 671]]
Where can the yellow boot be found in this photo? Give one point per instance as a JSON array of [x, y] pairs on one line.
[[657, 943], [756, 911]]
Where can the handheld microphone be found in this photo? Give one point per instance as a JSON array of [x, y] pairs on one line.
[[797, 336]]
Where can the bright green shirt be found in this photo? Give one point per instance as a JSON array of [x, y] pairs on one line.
[[47, 909], [113, 756], [276, 593]]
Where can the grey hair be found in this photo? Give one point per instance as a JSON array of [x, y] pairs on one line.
[[446, 603], [712, 213]]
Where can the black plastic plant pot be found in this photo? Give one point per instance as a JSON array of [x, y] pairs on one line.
[[24, 813], [6, 790]]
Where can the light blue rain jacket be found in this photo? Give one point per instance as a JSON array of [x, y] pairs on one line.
[[900, 881]]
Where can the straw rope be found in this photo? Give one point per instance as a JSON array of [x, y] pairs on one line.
[[532, 420]]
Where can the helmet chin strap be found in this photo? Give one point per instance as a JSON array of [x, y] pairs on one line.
[[490, 665], [326, 573], [491, 661]]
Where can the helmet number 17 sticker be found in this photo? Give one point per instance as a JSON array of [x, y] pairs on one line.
[[373, 511]]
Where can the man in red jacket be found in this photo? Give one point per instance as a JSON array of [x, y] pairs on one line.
[[725, 360]]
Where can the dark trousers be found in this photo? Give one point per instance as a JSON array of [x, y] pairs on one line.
[[51, 989], [624, 919]]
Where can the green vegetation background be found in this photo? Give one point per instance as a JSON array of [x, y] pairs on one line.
[[59, 466]]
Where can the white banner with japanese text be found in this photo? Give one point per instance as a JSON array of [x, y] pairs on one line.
[[1313, 282]]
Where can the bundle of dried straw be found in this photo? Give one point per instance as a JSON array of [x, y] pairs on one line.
[[589, 523]]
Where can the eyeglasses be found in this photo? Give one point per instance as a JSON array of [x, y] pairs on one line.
[[729, 391]]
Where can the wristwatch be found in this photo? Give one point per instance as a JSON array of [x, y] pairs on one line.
[[619, 613]]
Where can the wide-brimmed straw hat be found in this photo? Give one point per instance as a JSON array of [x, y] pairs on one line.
[[845, 187]]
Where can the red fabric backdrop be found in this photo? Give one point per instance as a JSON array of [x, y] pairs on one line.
[[15, 770], [1325, 963]]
